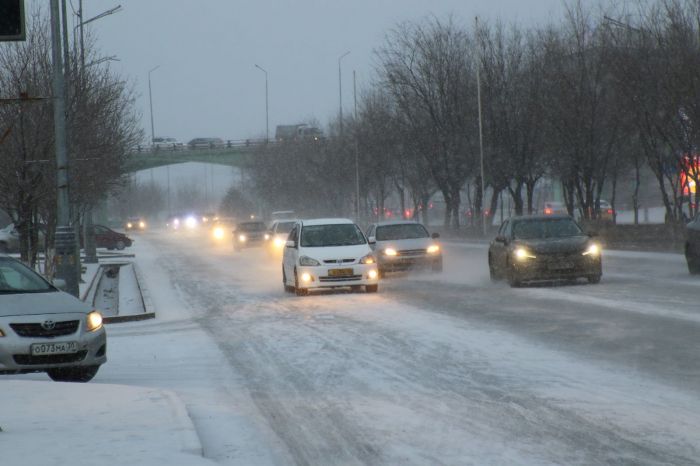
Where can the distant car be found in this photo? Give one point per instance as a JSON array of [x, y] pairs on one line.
[[554, 208], [249, 234], [278, 233], [543, 248], [206, 143], [43, 329], [166, 143], [110, 239], [221, 228], [135, 223], [404, 245], [692, 245], [328, 253]]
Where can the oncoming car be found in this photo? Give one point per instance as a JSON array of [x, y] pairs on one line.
[[404, 245], [279, 231], [543, 248], [249, 234], [43, 329], [135, 223], [328, 253]]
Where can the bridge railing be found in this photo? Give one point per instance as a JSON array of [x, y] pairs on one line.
[[241, 144]]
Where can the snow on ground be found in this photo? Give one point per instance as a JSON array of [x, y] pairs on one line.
[[129, 295]]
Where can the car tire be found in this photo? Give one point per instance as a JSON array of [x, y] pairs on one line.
[[80, 374], [593, 279], [297, 289], [492, 271], [513, 278], [120, 245], [371, 288]]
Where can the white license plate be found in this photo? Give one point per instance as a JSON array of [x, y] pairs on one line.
[[64, 347]]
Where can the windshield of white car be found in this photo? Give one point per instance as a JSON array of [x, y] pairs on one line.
[[543, 229], [17, 278], [343, 234], [401, 231]]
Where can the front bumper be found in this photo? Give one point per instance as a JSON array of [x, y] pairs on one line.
[[403, 263], [15, 350], [558, 267], [323, 277]]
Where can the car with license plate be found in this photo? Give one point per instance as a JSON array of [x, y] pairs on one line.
[[43, 329], [328, 253], [277, 236], [249, 234], [135, 224], [692, 245], [404, 245], [547, 247]]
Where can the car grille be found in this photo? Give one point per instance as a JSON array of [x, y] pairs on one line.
[[67, 327], [411, 252], [29, 360], [338, 261], [347, 278]]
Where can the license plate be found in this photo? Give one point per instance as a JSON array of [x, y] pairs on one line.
[[65, 347], [340, 272], [561, 266]]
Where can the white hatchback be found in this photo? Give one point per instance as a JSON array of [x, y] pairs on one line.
[[328, 253]]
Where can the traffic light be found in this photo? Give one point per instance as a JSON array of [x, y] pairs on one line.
[[12, 20]]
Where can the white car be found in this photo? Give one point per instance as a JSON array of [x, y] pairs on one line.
[[43, 329], [328, 253], [166, 143], [277, 236]]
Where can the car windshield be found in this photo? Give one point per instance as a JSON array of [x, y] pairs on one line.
[[401, 231], [543, 229], [284, 227], [252, 226], [17, 278], [344, 234]]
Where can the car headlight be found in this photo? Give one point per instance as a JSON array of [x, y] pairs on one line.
[[592, 250], [142, 224], [279, 242], [523, 254], [94, 321], [433, 249], [242, 238], [191, 222], [308, 261], [129, 225], [390, 252], [368, 259], [267, 236], [219, 233]]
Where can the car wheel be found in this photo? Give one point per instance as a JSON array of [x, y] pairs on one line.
[[371, 288], [73, 374], [120, 245], [297, 290], [593, 279], [513, 278], [492, 271]]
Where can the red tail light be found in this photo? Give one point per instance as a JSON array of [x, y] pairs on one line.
[[610, 211], [547, 211]]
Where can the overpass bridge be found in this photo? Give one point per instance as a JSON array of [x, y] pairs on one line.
[[234, 155]]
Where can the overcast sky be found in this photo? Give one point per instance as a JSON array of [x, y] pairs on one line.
[[207, 84]]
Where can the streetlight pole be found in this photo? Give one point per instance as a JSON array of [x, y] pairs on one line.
[[150, 101], [481, 130], [357, 150], [340, 89], [267, 107]]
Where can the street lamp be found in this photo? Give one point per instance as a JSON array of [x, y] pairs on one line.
[[340, 90], [484, 217], [150, 101], [267, 108]]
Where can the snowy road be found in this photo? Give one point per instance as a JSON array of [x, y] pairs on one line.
[[434, 369]]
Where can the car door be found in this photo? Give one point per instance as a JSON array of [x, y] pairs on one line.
[[289, 258], [499, 248]]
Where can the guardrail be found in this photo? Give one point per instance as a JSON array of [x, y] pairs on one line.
[[225, 145]]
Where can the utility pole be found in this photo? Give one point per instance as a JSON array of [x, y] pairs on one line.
[[357, 152], [150, 102], [481, 130], [65, 260], [340, 90], [267, 107]]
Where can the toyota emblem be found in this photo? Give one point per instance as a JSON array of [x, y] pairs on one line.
[[48, 325]]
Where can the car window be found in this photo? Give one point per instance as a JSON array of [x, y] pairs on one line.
[[542, 229], [284, 227], [344, 234], [17, 278], [252, 226], [100, 230], [401, 231], [293, 235]]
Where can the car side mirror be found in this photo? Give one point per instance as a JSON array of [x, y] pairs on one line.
[[501, 239], [435, 235], [290, 244], [60, 284], [372, 240]]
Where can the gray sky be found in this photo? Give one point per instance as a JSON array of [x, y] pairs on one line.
[[207, 84]]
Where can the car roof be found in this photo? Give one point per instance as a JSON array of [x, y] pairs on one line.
[[397, 222], [542, 217], [327, 221]]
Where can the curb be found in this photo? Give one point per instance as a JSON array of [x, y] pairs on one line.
[[90, 290], [145, 295]]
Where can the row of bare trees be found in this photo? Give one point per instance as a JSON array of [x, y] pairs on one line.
[[101, 125], [604, 94]]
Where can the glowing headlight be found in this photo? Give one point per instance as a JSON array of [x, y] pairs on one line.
[[523, 254], [219, 233], [306, 277], [390, 252], [308, 261], [191, 222], [94, 321], [372, 274], [267, 236], [142, 224], [279, 242], [129, 225], [368, 259], [433, 249], [593, 250], [242, 238], [176, 222]]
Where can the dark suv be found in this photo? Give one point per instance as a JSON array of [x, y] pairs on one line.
[[692, 245]]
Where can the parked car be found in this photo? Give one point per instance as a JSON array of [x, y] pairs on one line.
[[277, 236], [404, 245], [205, 143], [328, 253], [692, 245], [166, 144], [135, 223], [543, 248], [249, 234], [110, 239], [9, 238], [43, 329]]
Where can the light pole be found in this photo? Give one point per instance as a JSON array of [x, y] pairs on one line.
[[481, 131], [150, 101], [357, 150], [340, 89], [267, 107]]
